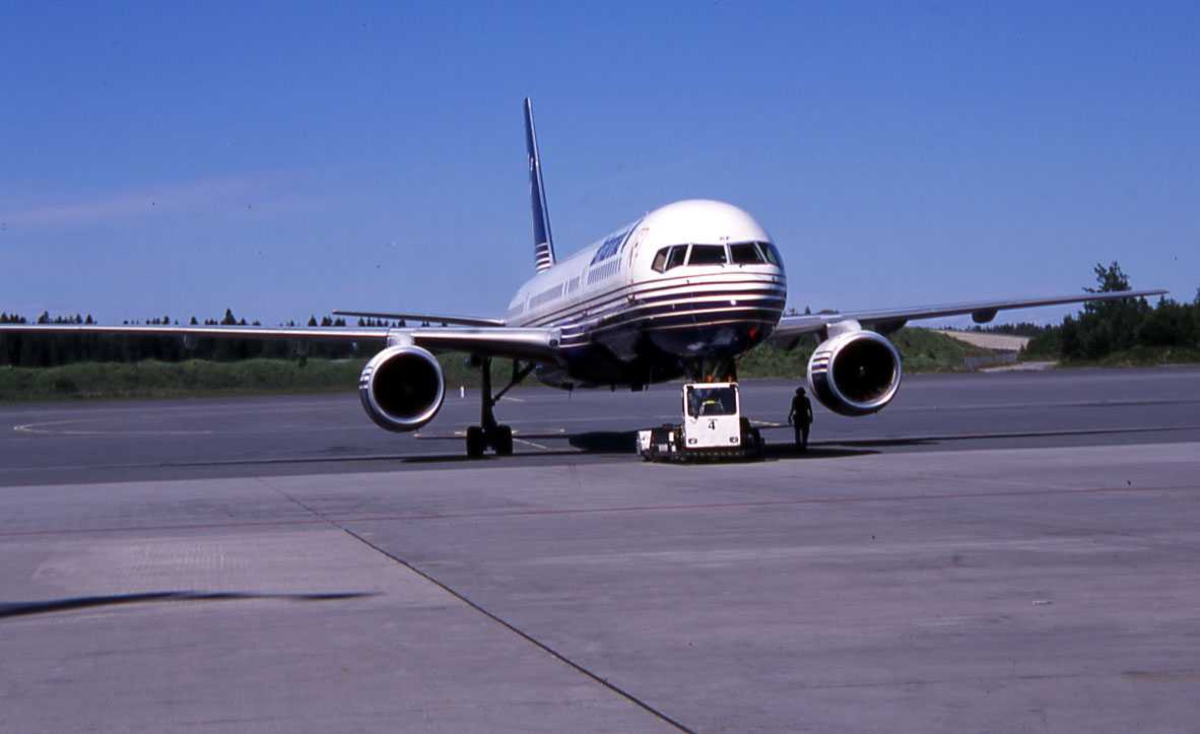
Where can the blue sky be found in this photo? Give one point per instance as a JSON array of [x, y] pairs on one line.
[[285, 159]]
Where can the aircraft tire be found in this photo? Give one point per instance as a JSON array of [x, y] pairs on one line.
[[503, 441], [475, 442]]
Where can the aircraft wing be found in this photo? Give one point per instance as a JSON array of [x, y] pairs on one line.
[[424, 318], [890, 319], [540, 345], [299, 333], [535, 345]]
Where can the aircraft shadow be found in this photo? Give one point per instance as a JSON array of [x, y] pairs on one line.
[[605, 442], [28, 608], [625, 442]]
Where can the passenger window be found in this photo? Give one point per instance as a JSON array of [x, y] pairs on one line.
[[707, 255], [678, 254], [745, 254], [660, 260]]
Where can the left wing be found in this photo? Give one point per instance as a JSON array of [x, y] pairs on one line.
[[535, 345], [890, 319], [424, 318], [539, 345], [299, 333]]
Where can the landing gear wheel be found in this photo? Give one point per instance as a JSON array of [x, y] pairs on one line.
[[490, 434], [502, 441], [475, 442], [758, 447]]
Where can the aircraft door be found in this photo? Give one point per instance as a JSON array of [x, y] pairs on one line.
[[635, 241]]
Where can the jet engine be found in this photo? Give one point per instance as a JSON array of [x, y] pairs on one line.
[[402, 388], [855, 372]]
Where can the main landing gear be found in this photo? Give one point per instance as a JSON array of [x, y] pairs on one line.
[[490, 434]]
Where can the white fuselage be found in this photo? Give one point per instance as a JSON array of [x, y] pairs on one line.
[[688, 281]]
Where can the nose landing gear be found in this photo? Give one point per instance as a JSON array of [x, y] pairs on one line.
[[490, 434]]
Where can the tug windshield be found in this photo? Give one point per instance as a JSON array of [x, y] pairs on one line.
[[710, 401]]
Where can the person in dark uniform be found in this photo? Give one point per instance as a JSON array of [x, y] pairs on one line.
[[800, 418]]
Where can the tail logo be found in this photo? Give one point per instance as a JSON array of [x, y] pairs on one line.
[[543, 240]]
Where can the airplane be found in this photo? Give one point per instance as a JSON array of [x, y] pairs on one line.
[[679, 292]]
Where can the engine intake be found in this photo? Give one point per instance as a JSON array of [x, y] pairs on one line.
[[855, 373], [402, 388]]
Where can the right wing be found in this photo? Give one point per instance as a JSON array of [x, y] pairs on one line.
[[538, 345], [890, 319]]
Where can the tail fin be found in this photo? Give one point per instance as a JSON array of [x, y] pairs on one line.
[[543, 241]]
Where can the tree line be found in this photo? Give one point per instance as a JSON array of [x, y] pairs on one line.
[[50, 350], [1167, 331]]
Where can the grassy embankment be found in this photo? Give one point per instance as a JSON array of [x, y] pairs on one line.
[[1136, 357], [1048, 346], [196, 378], [923, 351]]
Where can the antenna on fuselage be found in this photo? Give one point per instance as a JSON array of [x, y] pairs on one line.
[[543, 240]]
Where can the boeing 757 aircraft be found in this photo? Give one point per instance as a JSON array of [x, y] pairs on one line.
[[679, 292]]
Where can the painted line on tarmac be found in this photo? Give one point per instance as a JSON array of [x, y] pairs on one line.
[[191, 406], [1045, 404], [43, 430], [459, 434], [280, 460], [1000, 435]]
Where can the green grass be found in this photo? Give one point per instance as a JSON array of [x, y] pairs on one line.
[[923, 351], [175, 379], [1141, 357], [195, 378]]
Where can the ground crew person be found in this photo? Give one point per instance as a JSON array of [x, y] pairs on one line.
[[800, 418]]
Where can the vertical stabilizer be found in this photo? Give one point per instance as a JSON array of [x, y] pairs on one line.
[[543, 241]]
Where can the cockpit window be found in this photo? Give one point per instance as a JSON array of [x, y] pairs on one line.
[[746, 253], [660, 260], [771, 253], [707, 255], [677, 256]]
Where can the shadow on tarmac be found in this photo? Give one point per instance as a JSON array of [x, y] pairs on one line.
[[27, 608], [789, 452], [625, 442], [605, 442]]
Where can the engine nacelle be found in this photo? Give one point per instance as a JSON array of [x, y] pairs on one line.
[[855, 373], [402, 388]]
